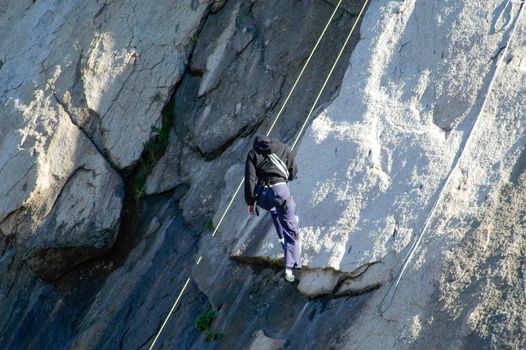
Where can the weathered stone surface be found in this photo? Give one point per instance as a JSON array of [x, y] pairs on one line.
[[207, 180], [261, 342], [371, 166], [113, 65], [372, 277], [83, 223], [144, 288], [245, 56], [81, 87], [469, 251], [383, 142], [128, 74], [350, 6], [318, 282], [167, 173], [235, 60], [66, 204], [110, 303]]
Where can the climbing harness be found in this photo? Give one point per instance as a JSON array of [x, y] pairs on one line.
[[388, 297], [268, 133]]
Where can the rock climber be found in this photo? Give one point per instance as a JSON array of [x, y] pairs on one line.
[[270, 165]]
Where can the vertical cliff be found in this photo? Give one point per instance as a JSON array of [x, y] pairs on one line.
[[124, 127]]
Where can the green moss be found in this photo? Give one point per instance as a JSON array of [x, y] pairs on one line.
[[153, 150], [204, 321], [138, 182], [209, 225], [194, 37], [211, 336], [204, 324]]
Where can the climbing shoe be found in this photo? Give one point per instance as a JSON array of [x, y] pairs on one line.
[[289, 277]]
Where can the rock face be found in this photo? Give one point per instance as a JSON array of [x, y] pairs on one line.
[[261, 342], [77, 108], [387, 148], [62, 200], [389, 144], [232, 86], [100, 226]]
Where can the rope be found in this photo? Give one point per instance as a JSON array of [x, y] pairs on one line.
[[504, 10], [502, 13], [282, 108], [395, 283], [329, 75], [170, 313], [268, 133], [304, 66]]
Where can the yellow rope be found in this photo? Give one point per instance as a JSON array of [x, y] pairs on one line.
[[170, 313], [303, 69], [268, 133], [329, 75], [228, 207]]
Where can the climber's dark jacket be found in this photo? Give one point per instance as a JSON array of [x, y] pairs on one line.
[[258, 168]]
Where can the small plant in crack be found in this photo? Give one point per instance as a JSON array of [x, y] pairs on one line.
[[158, 142], [204, 321], [153, 151], [209, 225], [194, 37]]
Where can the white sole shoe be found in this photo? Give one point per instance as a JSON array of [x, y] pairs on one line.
[[289, 278]]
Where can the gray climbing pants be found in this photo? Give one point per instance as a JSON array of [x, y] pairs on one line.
[[278, 201]]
